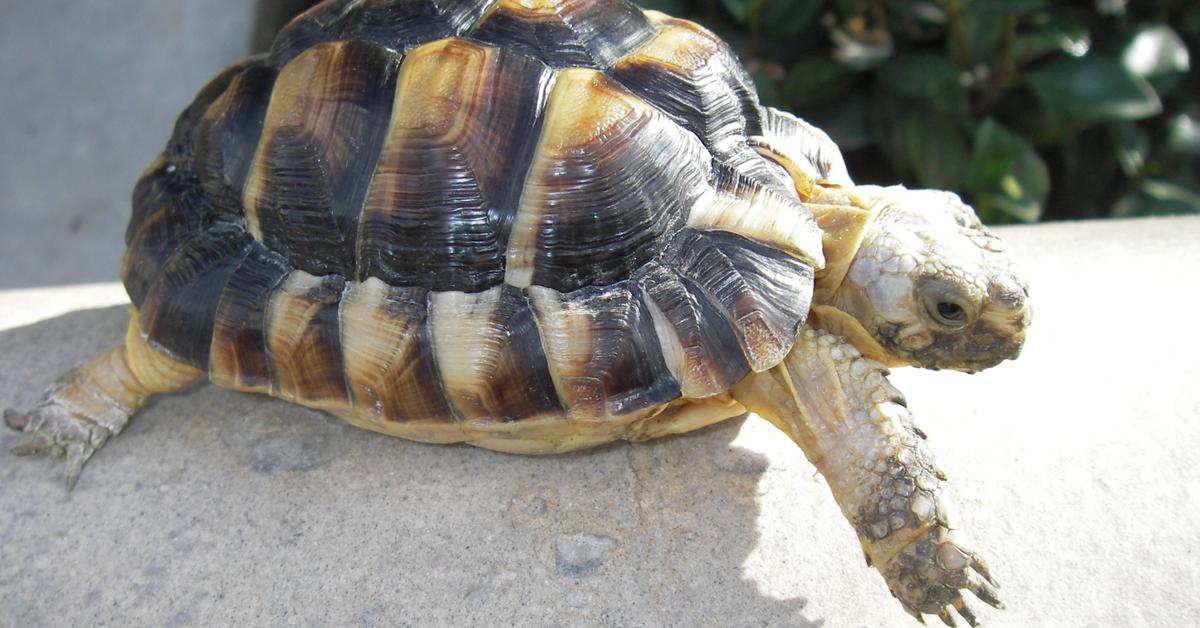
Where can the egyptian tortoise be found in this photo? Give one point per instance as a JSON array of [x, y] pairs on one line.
[[537, 226]]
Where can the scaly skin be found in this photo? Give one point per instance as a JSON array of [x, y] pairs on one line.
[[95, 400], [853, 426]]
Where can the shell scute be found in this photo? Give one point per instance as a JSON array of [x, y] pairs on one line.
[[323, 129], [611, 181], [566, 33], [448, 180]]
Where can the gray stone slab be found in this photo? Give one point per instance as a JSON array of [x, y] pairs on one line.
[[91, 91], [1073, 466]]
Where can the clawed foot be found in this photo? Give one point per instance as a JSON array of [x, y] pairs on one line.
[[930, 574], [58, 432]]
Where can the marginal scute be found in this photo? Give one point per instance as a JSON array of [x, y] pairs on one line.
[[324, 126], [490, 358], [304, 340], [603, 352], [766, 293], [179, 309], [710, 354], [804, 150], [238, 353], [168, 210], [388, 351], [562, 33], [612, 180], [447, 183]]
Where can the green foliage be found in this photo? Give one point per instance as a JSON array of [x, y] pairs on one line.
[[1032, 109]]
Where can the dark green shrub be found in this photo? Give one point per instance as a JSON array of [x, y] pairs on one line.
[[1031, 109]]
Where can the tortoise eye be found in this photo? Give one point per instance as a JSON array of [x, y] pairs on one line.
[[951, 313]]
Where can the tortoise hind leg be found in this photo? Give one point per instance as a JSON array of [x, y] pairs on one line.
[[95, 400]]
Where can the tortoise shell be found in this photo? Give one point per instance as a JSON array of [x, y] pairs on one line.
[[441, 213]]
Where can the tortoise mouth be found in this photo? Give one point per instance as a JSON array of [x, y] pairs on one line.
[[966, 356]]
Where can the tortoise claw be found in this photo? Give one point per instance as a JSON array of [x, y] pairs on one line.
[[15, 420], [57, 433], [931, 574]]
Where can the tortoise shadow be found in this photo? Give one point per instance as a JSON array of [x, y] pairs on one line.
[[278, 507]]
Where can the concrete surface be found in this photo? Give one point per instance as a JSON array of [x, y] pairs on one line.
[[91, 91], [1074, 470]]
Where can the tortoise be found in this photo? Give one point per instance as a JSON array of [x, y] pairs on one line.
[[537, 226]]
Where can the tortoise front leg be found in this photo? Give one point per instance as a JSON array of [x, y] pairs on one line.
[[852, 424], [96, 399]]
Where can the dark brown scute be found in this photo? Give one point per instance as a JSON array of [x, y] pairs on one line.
[[713, 98], [326, 122], [388, 353], [168, 210], [182, 138], [227, 134], [764, 291], [317, 25], [239, 350], [449, 179], [402, 25], [579, 33], [607, 206], [712, 354], [395, 24], [304, 340], [180, 307], [695, 78]]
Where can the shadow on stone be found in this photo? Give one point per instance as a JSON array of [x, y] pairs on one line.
[[234, 507]]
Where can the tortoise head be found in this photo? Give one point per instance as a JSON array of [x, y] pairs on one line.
[[931, 285]]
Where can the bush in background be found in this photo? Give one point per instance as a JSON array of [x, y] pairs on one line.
[[1031, 109]]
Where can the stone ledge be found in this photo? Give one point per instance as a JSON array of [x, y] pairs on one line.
[[1073, 468]]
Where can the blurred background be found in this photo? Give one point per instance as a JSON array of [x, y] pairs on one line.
[[1033, 110]]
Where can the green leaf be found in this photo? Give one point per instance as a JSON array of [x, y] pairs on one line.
[[1111, 7], [740, 9], [1093, 89], [1157, 54], [1157, 198], [936, 149], [1006, 175], [983, 24], [783, 18], [1156, 51], [1183, 133], [769, 93], [1052, 37], [1131, 147], [928, 78], [845, 121], [817, 79], [858, 53]]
